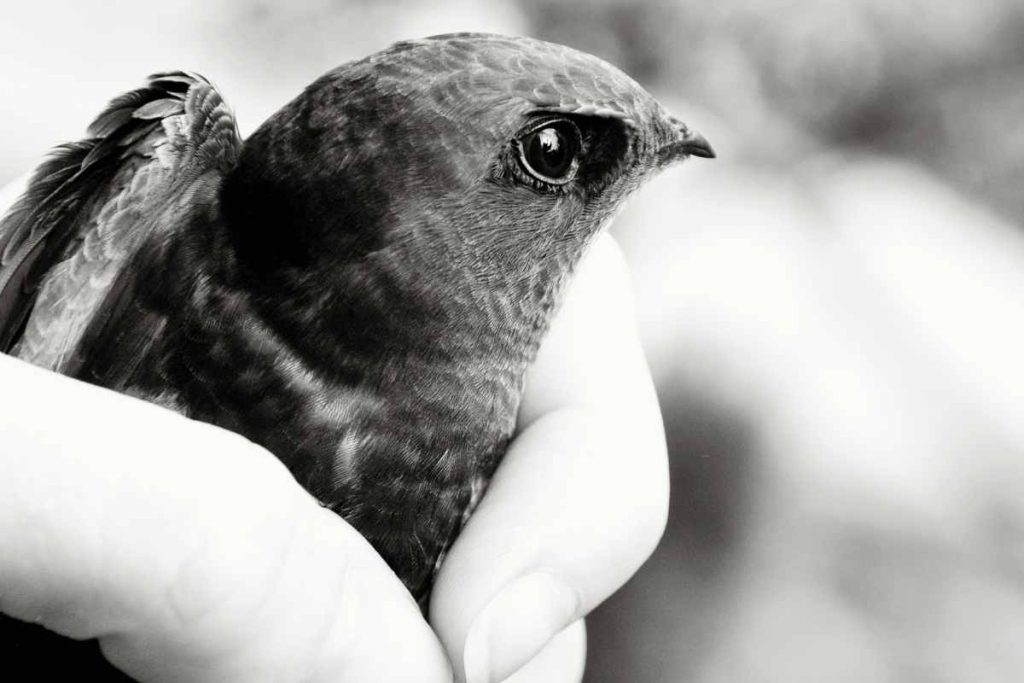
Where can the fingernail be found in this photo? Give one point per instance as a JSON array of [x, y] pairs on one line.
[[516, 624]]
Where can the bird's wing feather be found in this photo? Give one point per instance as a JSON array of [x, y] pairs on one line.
[[66, 244]]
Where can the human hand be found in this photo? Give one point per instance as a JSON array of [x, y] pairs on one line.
[[578, 503], [192, 554]]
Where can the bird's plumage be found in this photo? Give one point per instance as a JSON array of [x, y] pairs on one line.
[[66, 246], [360, 286]]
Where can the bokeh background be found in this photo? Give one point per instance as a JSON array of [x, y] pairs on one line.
[[833, 310]]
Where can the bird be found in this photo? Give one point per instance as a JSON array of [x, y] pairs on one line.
[[361, 284]]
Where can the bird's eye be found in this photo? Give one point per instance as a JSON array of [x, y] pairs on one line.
[[550, 152]]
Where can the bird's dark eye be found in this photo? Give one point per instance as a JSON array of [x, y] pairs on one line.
[[550, 152]]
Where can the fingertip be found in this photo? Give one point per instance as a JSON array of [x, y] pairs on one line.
[[563, 660], [561, 528], [516, 624]]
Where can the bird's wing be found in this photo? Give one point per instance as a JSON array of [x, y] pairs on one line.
[[152, 156]]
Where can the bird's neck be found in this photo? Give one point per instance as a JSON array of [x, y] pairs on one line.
[[359, 321]]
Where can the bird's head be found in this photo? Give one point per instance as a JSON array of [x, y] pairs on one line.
[[462, 157]]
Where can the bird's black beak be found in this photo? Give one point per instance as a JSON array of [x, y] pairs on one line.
[[696, 145], [684, 142]]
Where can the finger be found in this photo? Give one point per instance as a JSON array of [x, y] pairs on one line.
[[562, 661], [191, 554], [579, 501], [334, 612]]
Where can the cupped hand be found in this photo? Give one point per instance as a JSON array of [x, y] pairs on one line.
[[192, 554], [578, 503]]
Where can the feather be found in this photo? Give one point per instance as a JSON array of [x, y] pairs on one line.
[[158, 109], [176, 82]]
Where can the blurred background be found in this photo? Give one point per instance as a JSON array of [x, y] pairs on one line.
[[833, 310]]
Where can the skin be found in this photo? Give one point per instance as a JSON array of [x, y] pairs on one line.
[[119, 522]]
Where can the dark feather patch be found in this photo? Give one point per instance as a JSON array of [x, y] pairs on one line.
[[120, 109], [176, 81]]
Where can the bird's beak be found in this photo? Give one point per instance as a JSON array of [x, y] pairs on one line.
[[696, 145], [684, 142]]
